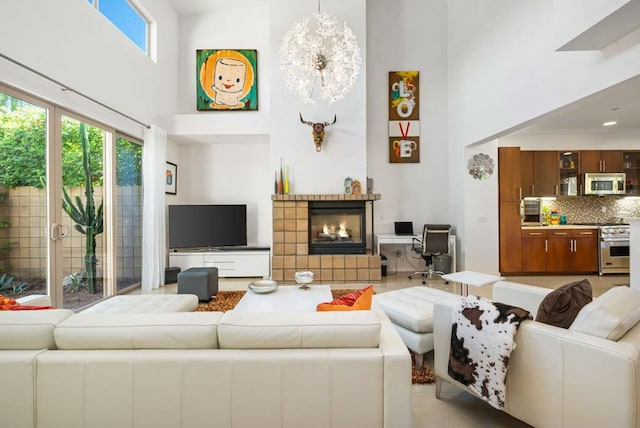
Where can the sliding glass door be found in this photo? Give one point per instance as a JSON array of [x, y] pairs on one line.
[[23, 196], [82, 215], [128, 213], [70, 204]]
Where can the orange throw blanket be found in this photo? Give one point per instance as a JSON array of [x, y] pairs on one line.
[[9, 304]]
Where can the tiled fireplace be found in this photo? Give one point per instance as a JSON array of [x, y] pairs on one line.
[[333, 245]]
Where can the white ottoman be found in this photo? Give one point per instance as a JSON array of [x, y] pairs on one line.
[[144, 303], [411, 312]]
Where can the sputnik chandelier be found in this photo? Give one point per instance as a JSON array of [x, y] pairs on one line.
[[320, 63]]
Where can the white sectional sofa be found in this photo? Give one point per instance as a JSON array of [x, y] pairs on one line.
[[564, 377], [197, 369]]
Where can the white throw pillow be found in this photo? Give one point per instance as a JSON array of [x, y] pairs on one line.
[[611, 315]]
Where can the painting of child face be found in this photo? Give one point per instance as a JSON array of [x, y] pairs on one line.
[[227, 79], [229, 75]]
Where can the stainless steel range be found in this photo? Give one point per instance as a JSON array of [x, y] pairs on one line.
[[614, 248]]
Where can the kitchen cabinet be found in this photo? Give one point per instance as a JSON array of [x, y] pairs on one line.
[[539, 172], [572, 250], [509, 174], [585, 250], [559, 250], [510, 242], [600, 161], [534, 250], [509, 193], [631, 167], [568, 173]]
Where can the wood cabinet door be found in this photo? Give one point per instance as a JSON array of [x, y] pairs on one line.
[[589, 161], [509, 174], [585, 250], [560, 255], [510, 241], [545, 169], [534, 251], [611, 160], [526, 172]]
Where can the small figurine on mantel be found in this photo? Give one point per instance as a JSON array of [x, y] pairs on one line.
[[348, 185], [356, 188]]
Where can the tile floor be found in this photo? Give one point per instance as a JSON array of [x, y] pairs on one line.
[[456, 408]]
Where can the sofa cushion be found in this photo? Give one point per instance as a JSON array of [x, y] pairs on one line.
[[359, 300], [30, 329], [144, 303], [269, 330], [611, 315], [173, 330], [561, 306]]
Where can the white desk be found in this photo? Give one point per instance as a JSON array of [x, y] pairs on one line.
[[467, 278], [393, 239], [287, 298]]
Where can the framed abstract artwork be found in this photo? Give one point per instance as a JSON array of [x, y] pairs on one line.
[[171, 179], [226, 79]]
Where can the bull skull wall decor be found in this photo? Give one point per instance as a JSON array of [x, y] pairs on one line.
[[318, 130]]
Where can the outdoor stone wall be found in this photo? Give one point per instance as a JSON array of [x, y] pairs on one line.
[[25, 210]]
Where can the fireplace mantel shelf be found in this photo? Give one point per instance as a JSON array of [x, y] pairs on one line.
[[327, 197]]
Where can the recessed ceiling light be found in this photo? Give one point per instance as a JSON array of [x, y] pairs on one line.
[[611, 123]]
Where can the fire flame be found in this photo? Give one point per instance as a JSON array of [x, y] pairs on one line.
[[341, 232]]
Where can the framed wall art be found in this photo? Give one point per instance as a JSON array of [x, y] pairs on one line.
[[404, 117], [171, 179], [226, 79]]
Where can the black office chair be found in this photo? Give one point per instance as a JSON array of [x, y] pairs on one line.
[[435, 242]]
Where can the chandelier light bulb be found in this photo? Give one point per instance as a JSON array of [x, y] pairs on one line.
[[322, 63]]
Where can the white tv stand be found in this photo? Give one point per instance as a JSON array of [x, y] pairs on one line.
[[243, 262]]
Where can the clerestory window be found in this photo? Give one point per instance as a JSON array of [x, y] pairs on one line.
[[127, 18]]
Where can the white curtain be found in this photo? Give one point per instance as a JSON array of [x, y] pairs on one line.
[[154, 157]]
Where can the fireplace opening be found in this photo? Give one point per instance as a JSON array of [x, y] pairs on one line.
[[337, 227]]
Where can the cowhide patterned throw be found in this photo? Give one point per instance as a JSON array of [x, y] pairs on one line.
[[481, 344]]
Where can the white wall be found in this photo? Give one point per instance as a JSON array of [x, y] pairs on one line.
[[408, 35], [227, 172], [69, 41], [344, 152], [224, 157], [486, 68], [481, 223], [504, 71], [241, 150]]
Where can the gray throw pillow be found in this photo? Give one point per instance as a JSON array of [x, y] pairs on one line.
[[561, 306]]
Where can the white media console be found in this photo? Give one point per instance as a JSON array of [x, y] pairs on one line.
[[247, 262]]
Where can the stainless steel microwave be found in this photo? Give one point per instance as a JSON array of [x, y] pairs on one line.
[[604, 183]]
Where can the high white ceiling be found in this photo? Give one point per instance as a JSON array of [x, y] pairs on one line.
[[620, 103], [188, 7]]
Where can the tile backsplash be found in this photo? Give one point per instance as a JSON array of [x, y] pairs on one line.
[[595, 209]]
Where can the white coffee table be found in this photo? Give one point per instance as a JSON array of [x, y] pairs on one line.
[[287, 298], [467, 278]]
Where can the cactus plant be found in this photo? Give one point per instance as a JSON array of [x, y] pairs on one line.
[[88, 219]]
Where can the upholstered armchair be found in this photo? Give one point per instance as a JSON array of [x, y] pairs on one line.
[[585, 376]]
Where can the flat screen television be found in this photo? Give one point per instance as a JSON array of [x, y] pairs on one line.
[[209, 226]]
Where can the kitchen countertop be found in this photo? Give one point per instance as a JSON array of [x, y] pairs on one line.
[[562, 226]]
